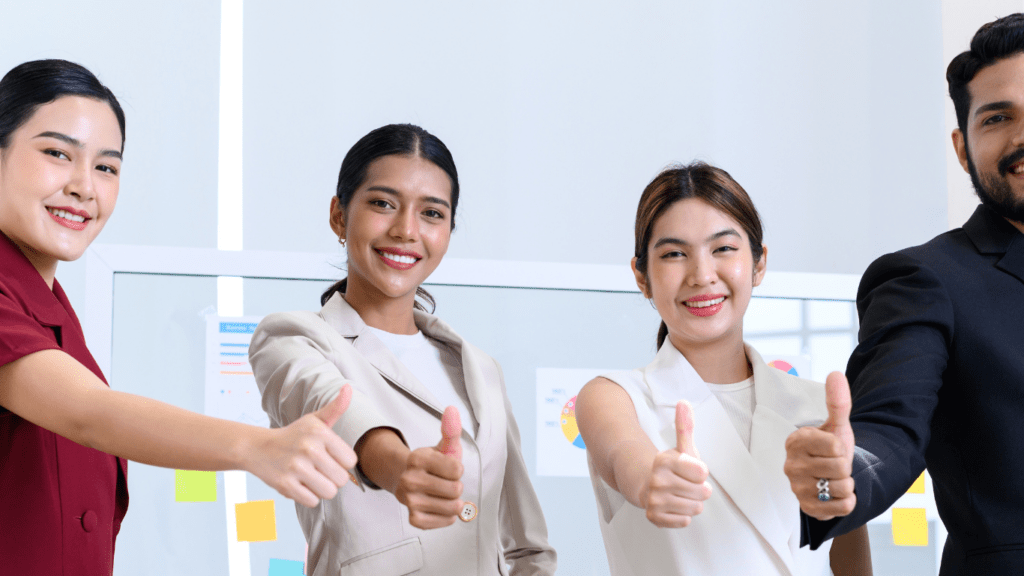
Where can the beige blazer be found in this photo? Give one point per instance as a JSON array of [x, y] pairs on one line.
[[751, 523], [302, 359]]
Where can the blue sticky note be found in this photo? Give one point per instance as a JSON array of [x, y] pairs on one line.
[[280, 567]]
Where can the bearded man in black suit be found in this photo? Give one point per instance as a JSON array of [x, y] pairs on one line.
[[938, 376]]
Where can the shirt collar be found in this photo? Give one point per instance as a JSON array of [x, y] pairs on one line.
[[23, 283]]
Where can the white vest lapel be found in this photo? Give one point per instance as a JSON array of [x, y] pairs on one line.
[[743, 480]]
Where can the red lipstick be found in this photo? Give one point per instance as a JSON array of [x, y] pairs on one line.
[[387, 256]]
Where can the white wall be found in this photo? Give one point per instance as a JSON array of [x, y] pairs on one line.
[[558, 114]]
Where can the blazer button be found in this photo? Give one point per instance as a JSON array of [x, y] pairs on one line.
[[468, 512], [89, 521]]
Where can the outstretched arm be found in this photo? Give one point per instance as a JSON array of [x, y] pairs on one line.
[[670, 485], [305, 461]]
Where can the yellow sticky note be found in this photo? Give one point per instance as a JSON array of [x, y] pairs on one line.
[[909, 527], [255, 521], [195, 486], [918, 486]]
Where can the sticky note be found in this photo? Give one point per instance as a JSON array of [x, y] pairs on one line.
[[195, 486], [909, 527], [918, 486], [255, 521], [280, 567]]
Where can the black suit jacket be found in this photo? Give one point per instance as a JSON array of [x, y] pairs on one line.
[[938, 380]]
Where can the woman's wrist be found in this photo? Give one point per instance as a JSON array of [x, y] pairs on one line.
[[382, 457]]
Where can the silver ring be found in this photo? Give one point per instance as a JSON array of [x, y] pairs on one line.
[[823, 491]]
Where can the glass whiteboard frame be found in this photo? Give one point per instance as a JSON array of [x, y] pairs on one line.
[[103, 261]]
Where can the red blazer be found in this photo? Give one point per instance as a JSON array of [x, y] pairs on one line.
[[61, 504]]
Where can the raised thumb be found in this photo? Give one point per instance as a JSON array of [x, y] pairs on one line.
[[451, 430], [331, 412], [684, 429], [837, 399]]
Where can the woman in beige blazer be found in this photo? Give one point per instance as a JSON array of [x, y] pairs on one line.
[[686, 455], [457, 502]]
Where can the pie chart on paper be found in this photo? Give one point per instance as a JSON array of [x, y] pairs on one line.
[[569, 427], [784, 366]]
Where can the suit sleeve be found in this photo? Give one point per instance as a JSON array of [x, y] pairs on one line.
[[293, 360], [524, 534], [895, 373]]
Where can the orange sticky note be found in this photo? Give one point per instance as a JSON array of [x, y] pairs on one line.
[[909, 527], [918, 486], [255, 521]]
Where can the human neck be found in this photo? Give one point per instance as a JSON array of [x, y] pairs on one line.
[[394, 315], [45, 265], [717, 362]]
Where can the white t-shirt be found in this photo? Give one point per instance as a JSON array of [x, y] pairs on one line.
[[739, 404], [436, 366]]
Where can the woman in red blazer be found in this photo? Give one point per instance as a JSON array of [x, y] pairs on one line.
[[62, 490]]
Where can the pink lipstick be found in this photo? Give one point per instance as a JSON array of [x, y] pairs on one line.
[[704, 305]]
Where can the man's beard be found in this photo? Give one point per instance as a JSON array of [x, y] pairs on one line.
[[996, 193]]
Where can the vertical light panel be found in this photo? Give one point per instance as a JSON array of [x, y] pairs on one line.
[[229, 230]]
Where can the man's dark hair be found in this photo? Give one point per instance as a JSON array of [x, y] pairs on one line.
[[992, 42]]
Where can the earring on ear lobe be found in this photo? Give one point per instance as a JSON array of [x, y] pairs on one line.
[[341, 241]]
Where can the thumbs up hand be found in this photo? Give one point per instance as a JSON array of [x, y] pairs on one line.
[[677, 486], [825, 452], [430, 485], [306, 460]]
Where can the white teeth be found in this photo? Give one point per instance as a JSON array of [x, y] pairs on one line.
[[705, 303], [66, 215], [1018, 169], [397, 258]]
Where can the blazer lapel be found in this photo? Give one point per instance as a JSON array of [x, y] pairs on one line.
[[720, 446], [473, 373], [992, 234], [347, 322]]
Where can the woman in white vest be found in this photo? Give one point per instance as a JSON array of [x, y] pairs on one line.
[[445, 487], [686, 455]]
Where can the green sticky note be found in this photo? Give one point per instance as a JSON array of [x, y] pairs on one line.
[[195, 486]]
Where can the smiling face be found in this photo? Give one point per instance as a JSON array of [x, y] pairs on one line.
[[59, 178], [993, 150], [700, 275], [396, 228]]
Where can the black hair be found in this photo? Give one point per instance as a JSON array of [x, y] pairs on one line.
[[706, 183], [992, 42], [32, 84], [393, 139]]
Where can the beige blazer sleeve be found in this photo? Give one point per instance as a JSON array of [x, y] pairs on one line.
[[297, 355]]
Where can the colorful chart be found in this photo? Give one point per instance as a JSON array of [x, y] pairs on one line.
[[569, 427], [784, 366]]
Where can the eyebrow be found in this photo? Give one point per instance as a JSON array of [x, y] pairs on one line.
[[76, 143], [393, 192], [712, 238], [991, 106]]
